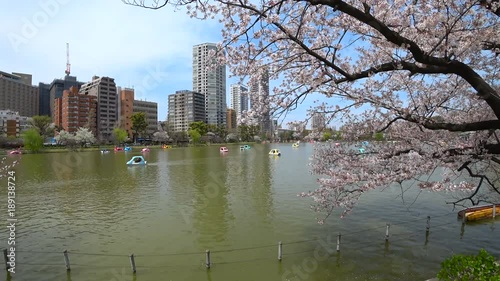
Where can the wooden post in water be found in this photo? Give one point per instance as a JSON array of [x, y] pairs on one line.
[[338, 242], [132, 263], [428, 227], [207, 252], [387, 232], [280, 251], [494, 211], [66, 260], [7, 266]]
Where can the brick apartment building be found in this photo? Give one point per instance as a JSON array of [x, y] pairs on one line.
[[74, 110]]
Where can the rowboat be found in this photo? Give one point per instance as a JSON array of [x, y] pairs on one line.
[[479, 212]]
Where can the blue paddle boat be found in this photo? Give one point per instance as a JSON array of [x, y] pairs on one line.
[[137, 160]]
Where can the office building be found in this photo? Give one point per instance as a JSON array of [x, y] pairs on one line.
[[151, 111], [104, 88], [239, 100], [184, 108], [74, 110], [44, 99], [210, 80], [17, 94]]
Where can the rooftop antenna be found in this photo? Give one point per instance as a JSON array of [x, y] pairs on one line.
[[68, 66]]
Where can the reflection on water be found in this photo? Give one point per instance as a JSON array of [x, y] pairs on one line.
[[238, 205]]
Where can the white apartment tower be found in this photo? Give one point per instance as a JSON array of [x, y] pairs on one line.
[[259, 101], [239, 100], [210, 82]]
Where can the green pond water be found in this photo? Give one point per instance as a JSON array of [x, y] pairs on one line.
[[238, 205]]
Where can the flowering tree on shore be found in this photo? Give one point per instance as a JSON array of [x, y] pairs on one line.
[[424, 73]]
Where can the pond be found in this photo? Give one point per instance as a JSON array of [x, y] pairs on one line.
[[238, 205]]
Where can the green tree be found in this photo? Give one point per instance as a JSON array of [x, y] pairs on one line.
[[43, 124], [244, 132], [212, 128], [195, 136], [379, 136], [337, 135], [326, 136], [33, 141], [481, 267], [222, 132], [179, 136], [139, 124], [120, 135], [199, 126]]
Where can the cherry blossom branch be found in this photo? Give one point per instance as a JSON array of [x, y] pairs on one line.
[[481, 179], [142, 3], [483, 89]]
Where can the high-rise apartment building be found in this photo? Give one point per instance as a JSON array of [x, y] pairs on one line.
[[211, 82], [104, 88], [74, 110], [126, 106], [184, 108], [259, 101], [57, 88], [151, 111], [318, 121], [239, 100], [17, 94]]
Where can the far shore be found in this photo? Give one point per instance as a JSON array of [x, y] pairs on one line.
[[58, 149]]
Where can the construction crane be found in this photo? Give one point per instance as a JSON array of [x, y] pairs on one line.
[[68, 66]]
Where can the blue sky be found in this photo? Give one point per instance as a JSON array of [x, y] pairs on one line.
[[149, 50]]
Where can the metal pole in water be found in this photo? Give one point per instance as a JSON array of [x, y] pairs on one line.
[[207, 258], [132, 263], [66, 260], [280, 251], [338, 242]]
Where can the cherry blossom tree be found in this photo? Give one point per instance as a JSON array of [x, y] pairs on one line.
[[84, 136], [424, 73]]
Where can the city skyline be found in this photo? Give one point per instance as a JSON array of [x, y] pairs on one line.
[[140, 52]]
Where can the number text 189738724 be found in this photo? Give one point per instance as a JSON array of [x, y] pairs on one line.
[[10, 253]]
